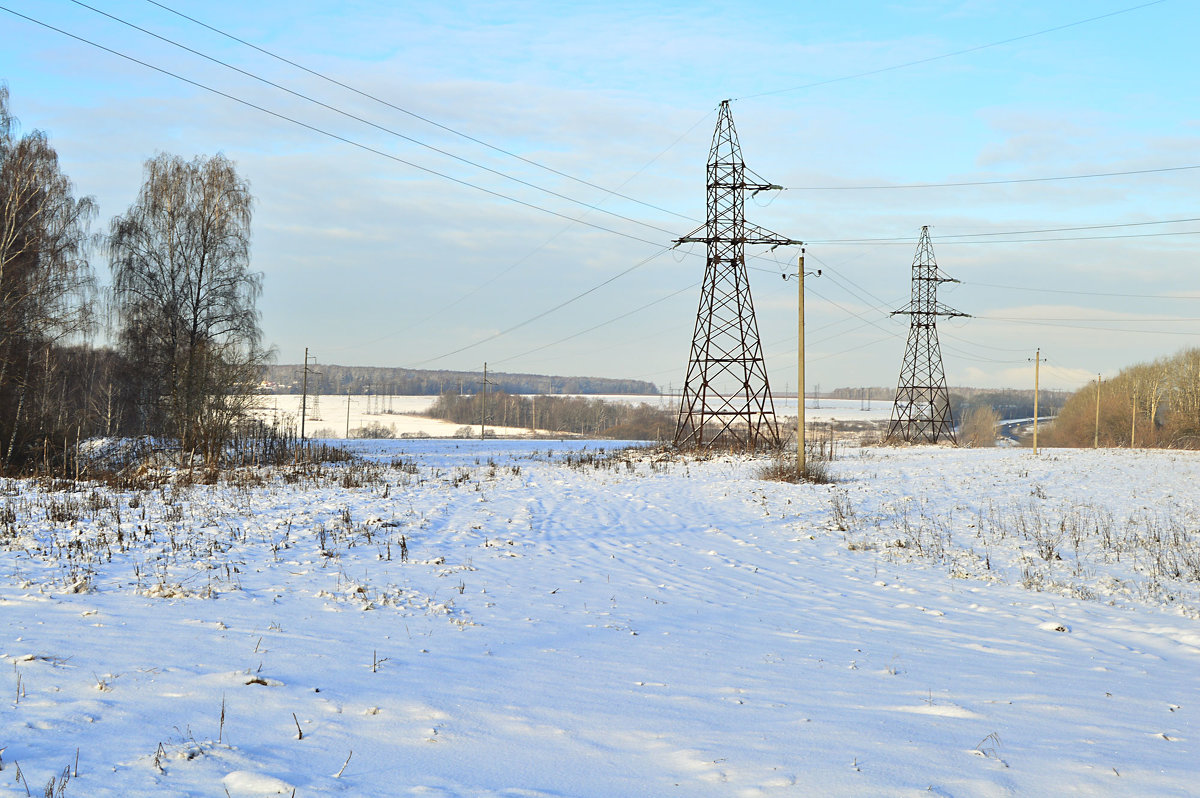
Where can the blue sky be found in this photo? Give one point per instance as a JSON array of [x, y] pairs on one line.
[[368, 260]]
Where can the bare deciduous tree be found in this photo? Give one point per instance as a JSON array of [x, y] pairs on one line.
[[1149, 404], [185, 298], [45, 281], [979, 427]]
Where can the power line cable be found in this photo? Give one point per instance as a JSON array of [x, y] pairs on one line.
[[1191, 297], [1086, 327], [930, 59], [841, 352], [435, 123], [601, 324], [975, 358], [639, 340], [837, 277], [999, 182], [369, 123], [592, 207], [329, 134], [950, 242], [544, 313], [942, 237], [1098, 319], [393, 158], [983, 346]]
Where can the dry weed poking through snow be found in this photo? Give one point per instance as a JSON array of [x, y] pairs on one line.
[[501, 617]]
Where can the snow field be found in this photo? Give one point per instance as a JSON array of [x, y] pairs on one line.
[[611, 626], [327, 413]]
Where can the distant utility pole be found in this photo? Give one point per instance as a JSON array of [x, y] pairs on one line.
[[304, 389], [1037, 363], [921, 411], [1096, 440], [483, 405], [347, 414]]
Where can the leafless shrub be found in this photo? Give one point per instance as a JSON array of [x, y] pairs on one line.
[[979, 427]]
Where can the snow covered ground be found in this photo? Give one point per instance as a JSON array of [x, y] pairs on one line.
[[523, 618], [327, 413], [327, 416]]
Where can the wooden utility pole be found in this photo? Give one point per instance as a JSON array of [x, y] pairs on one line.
[[799, 275], [347, 414], [1037, 364], [1096, 440], [483, 405], [800, 370]]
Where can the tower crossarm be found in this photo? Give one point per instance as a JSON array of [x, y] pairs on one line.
[[751, 234], [939, 310]]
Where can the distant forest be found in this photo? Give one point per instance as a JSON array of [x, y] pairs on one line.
[[1008, 403], [333, 379]]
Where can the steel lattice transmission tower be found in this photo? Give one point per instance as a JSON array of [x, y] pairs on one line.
[[922, 408], [726, 397]]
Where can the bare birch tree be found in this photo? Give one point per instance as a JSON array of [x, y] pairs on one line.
[[45, 280], [185, 298]]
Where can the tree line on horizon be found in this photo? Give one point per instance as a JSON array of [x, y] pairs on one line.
[[397, 381], [181, 310], [576, 415], [1154, 405]]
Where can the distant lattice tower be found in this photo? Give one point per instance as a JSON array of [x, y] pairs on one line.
[[726, 396], [921, 412]]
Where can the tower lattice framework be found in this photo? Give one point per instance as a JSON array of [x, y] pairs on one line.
[[921, 412], [726, 396]]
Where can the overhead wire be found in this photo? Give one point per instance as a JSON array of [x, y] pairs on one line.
[[506, 152], [369, 123], [397, 159], [930, 59], [521, 202], [433, 122], [1098, 319], [946, 237], [996, 182], [394, 133], [544, 313], [601, 324], [984, 346], [330, 134], [1039, 290], [1037, 323]]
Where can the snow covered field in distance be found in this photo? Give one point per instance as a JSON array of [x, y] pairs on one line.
[[327, 417]]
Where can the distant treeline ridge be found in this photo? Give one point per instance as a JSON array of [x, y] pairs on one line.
[[330, 379], [571, 414]]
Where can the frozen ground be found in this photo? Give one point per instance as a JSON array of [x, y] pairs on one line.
[[945, 622]]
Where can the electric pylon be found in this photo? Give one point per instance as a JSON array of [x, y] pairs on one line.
[[922, 408], [726, 396]]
